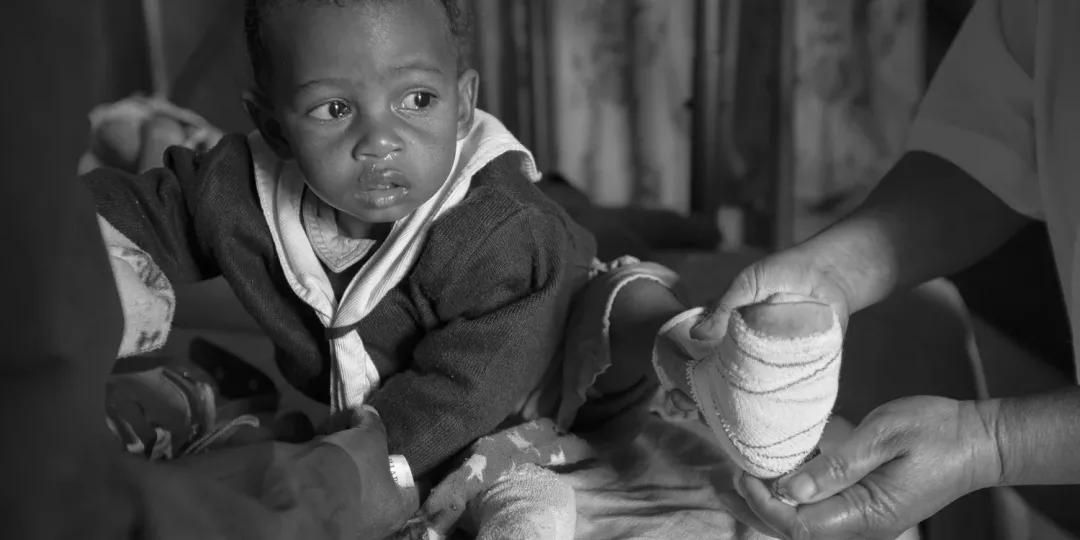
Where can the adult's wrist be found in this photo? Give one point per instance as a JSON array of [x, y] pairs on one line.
[[834, 255], [986, 430]]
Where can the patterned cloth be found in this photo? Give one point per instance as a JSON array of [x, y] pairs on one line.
[[167, 412], [488, 462]]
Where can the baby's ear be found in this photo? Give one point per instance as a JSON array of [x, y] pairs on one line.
[[261, 112], [468, 85]]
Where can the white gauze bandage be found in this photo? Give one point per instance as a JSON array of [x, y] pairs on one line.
[[766, 398]]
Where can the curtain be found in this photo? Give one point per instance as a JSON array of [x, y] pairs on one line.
[[622, 84], [598, 89], [859, 76], [788, 114]]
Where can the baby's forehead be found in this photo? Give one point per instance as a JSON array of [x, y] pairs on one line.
[[417, 29]]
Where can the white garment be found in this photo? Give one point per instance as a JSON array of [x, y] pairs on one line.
[[280, 185]]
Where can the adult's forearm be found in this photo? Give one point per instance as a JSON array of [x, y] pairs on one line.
[[926, 218], [1037, 437]]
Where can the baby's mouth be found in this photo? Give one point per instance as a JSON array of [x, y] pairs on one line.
[[382, 188], [383, 179]]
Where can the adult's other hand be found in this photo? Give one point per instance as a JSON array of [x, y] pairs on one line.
[[907, 460]]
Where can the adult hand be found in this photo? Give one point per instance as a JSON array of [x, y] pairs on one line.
[[790, 271], [907, 460], [340, 485], [386, 505]]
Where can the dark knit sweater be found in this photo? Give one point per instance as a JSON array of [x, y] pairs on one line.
[[458, 343]]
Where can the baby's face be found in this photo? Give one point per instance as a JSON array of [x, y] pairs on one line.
[[369, 102]]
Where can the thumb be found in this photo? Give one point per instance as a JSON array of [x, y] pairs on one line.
[[838, 468], [363, 429], [713, 326], [367, 418], [742, 291]]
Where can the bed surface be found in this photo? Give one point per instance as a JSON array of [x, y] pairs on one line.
[[672, 482]]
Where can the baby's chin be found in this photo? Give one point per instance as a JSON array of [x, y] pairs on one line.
[[381, 215], [376, 216]]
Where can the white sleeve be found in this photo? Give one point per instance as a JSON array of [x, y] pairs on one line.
[[978, 110]]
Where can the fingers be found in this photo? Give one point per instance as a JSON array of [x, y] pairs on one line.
[[713, 326], [368, 419], [743, 291], [773, 516], [158, 134], [839, 467], [163, 129], [743, 514], [850, 514], [365, 441]]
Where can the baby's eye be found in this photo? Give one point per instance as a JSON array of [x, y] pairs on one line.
[[417, 101], [334, 110]]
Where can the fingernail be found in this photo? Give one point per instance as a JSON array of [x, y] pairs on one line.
[[370, 409], [799, 488]]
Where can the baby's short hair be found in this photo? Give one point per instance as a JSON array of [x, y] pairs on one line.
[[458, 21]]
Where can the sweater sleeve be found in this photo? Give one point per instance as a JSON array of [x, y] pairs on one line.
[[503, 306], [150, 226]]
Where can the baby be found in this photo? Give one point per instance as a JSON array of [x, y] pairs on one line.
[[386, 235]]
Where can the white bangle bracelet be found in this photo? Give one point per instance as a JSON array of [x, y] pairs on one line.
[[402, 473]]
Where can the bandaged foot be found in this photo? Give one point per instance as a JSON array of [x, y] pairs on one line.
[[767, 387]]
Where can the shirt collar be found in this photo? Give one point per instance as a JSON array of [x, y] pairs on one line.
[[337, 251]]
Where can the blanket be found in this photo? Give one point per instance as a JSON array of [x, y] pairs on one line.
[[672, 482]]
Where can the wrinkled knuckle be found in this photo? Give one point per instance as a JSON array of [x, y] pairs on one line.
[[895, 440], [836, 467], [889, 436], [878, 509], [741, 288], [880, 515]]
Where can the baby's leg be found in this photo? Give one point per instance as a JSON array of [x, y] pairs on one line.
[[530, 503], [620, 395], [641, 307]]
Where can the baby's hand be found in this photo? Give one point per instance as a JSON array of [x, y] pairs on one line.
[[158, 133]]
